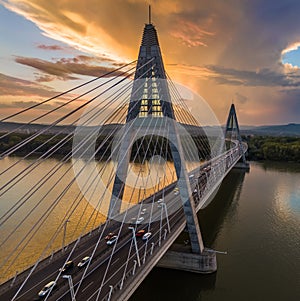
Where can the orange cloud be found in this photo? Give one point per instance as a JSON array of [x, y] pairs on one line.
[[12, 86], [64, 68], [191, 34]]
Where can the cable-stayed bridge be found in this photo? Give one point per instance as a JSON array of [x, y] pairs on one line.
[[132, 168]]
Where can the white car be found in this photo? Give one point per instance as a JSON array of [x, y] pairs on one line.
[[160, 201], [146, 235], [83, 261], [139, 220], [47, 288], [112, 240]]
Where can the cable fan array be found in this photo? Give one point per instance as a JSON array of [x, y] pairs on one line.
[[43, 209]]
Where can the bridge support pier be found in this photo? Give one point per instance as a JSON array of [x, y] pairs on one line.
[[182, 258], [242, 165]]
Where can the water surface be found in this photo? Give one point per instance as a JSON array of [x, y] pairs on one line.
[[255, 218]]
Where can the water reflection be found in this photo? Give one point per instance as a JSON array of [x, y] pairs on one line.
[[212, 217], [174, 285]]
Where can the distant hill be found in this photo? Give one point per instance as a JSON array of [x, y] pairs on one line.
[[32, 128], [66, 129], [291, 129]]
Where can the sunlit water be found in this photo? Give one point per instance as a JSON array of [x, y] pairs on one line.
[[256, 219]]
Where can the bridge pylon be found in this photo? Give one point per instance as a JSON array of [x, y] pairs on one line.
[[150, 104], [232, 132]]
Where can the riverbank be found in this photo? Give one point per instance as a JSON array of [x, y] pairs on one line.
[[269, 148], [260, 148]]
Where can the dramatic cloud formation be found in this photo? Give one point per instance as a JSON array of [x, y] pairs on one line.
[[223, 50], [63, 68], [264, 77]]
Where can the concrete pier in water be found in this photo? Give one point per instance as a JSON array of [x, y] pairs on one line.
[[180, 257]]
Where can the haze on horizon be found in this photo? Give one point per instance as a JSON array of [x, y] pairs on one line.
[[244, 52]]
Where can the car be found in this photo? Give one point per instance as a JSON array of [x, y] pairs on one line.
[[143, 211], [109, 236], [68, 266], [112, 240], [140, 233], [176, 191], [146, 236], [160, 202], [84, 261], [46, 289], [139, 220]]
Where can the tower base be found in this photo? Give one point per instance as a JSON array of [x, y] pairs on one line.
[[181, 258], [242, 165]]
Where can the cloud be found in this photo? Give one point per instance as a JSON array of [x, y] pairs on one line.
[[65, 67], [235, 77], [262, 77], [12, 86], [50, 47], [42, 78], [191, 70], [191, 34], [26, 104]]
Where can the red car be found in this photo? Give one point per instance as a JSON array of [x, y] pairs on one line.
[[140, 233], [109, 236]]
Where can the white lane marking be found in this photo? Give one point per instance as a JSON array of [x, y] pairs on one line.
[[115, 261], [87, 286]]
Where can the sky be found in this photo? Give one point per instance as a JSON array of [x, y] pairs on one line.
[[240, 51]]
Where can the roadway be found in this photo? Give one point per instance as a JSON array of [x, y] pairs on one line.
[[84, 247]]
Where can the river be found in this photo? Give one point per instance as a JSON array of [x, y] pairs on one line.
[[255, 218]]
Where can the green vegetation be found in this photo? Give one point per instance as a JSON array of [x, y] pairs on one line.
[[273, 148], [39, 145], [47, 142], [260, 147]]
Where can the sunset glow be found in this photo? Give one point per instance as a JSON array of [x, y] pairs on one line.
[[216, 49]]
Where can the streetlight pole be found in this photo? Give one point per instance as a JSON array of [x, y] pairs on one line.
[[135, 244], [152, 247], [64, 234], [160, 222], [110, 292], [167, 217], [134, 267], [69, 277]]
